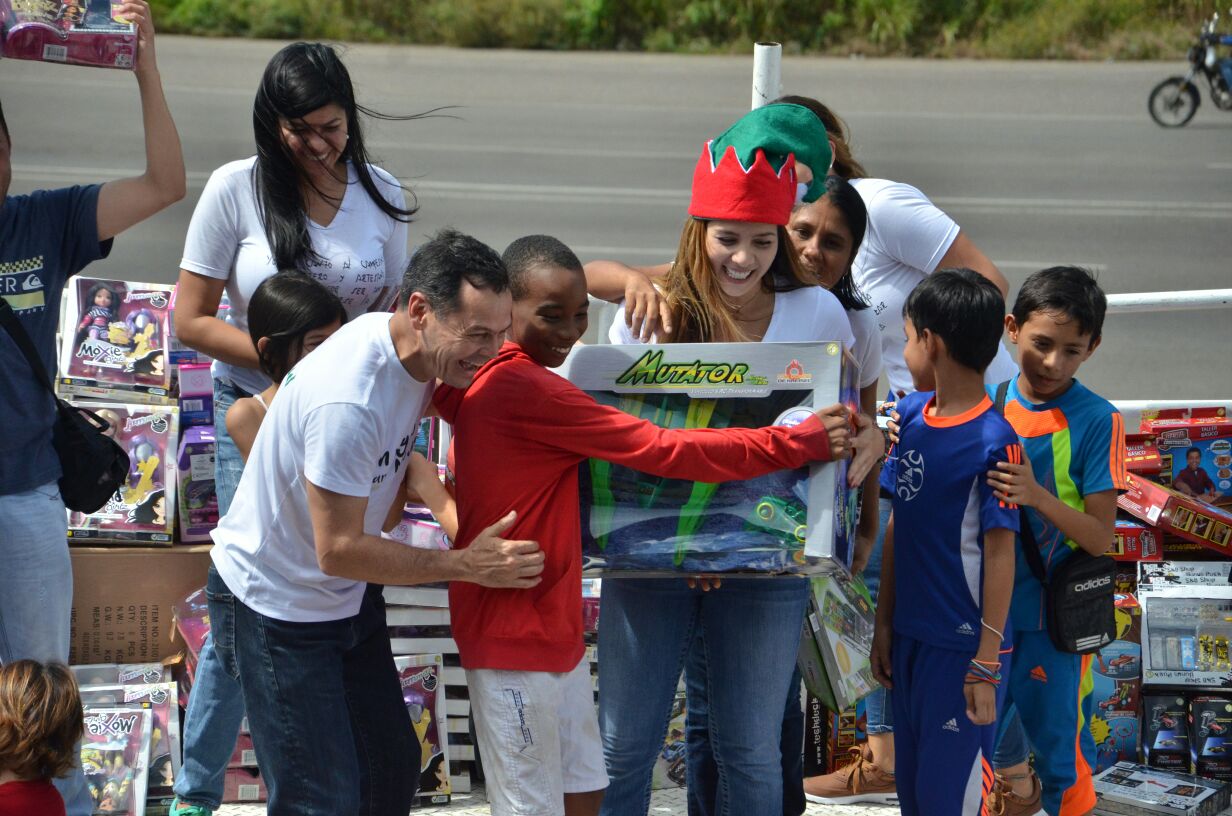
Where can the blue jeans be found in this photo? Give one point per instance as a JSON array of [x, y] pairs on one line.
[[703, 774], [751, 634], [216, 704], [325, 707], [1012, 745], [36, 596]]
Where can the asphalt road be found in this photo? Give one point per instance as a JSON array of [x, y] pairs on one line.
[[1039, 162]]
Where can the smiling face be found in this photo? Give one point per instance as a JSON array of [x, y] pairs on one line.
[[457, 344], [820, 234], [318, 140], [552, 314], [740, 255], [1051, 346]]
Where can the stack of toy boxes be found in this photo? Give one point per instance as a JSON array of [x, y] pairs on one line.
[[1117, 687]]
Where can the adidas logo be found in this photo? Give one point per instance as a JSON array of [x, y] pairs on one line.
[[1039, 674], [1094, 583], [952, 725], [965, 629]]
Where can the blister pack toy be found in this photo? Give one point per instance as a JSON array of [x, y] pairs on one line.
[[788, 522], [424, 694], [114, 758], [123, 674], [143, 509], [161, 700], [75, 32], [115, 340]]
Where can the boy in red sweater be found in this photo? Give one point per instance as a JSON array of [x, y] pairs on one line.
[[521, 432]]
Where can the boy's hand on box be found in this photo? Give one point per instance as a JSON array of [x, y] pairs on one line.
[[868, 447], [493, 561], [981, 702], [836, 419], [883, 636], [1015, 483], [137, 12]]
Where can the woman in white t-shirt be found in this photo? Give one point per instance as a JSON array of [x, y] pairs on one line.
[[309, 200]]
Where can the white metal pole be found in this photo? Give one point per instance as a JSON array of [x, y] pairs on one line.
[[767, 72], [1170, 301]]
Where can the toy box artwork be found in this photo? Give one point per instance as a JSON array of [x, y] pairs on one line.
[[787, 522], [160, 699], [1116, 689], [198, 498], [1198, 459], [196, 389], [422, 690], [840, 624], [1186, 623], [1136, 790], [1142, 455], [143, 510], [114, 755], [1136, 541], [1165, 731], [76, 32], [1180, 515], [115, 338], [1210, 736], [244, 785]]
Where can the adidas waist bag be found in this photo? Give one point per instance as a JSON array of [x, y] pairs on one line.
[[1079, 596]]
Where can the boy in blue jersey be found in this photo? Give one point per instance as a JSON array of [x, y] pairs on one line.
[[939, 635], [1069, 479]]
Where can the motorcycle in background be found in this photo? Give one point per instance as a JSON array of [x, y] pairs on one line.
[[1174, 101]]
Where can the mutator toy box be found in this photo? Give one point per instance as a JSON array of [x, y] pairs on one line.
[[75, 32], [424, 695], [788, 522]]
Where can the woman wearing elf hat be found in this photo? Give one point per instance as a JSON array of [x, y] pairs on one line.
[[736, 278]]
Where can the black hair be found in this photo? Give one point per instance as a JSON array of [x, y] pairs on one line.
[[964, 309], [1066, 290], [144, 513], [437, 270], [301, 78], [4, 125], [428, 776], [536, 250], [849, 204], [1193, 450], [285, 307], [145, 363]]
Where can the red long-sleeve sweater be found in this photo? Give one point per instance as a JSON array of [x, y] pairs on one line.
[[520, 433]]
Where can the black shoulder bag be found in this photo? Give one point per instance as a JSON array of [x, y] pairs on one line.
[[1079, 596], [94, 465]]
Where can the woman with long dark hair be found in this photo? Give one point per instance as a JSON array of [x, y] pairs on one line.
[[309, 200]]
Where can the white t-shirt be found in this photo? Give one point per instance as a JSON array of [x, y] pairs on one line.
[[363, 250], [906, 239], [867, 349], [345, 420], [800, 315]]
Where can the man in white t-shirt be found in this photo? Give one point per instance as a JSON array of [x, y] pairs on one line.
[[294, 591]]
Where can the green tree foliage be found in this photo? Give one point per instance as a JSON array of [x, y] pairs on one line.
[[990, 28]]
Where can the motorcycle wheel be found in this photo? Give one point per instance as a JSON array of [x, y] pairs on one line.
[[1173, 102]]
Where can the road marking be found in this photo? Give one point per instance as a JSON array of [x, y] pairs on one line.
[[677, 199]]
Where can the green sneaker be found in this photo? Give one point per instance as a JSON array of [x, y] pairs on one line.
[[179, 808]]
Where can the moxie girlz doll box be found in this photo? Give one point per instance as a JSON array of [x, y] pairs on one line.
[[789, 522], [143, 509], [76, 32], [114, 340]]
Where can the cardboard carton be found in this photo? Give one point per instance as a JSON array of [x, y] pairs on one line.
[[1179, 515], [123, 601]]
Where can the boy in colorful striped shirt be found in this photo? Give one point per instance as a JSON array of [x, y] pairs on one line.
[[1074, 467], [948, 558]]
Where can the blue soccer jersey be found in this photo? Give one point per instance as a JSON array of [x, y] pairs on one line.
[[937, 476], [1076, 444]]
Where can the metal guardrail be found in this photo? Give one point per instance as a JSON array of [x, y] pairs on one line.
[[1136, 302]]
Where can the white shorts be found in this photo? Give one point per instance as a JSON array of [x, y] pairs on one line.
[[538, 737]]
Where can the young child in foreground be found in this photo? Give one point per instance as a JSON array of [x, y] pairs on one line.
[[520, 433], [41, 723], [1069, 479], [939, 641]]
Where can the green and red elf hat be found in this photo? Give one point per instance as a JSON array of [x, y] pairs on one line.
[[749, 173]]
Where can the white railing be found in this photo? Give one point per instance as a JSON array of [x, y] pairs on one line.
[[1134, 302]]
